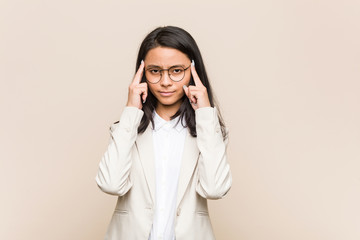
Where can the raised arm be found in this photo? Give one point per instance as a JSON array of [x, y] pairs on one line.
[[214, 176], [113, 176]]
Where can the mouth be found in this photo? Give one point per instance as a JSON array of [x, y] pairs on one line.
[[166, 93]]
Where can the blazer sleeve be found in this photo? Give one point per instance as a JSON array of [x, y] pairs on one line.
[[113, 175], [213, 177]]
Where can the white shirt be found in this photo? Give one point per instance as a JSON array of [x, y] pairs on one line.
[[168, 142]]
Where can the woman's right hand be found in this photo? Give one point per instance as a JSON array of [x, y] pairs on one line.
[[137, 91]]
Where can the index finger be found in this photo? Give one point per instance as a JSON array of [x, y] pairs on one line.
[[139, 73], [195, 75]]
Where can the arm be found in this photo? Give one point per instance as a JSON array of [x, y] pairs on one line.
[[214, 176], [113, 176]]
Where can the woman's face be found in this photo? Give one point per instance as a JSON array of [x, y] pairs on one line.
[[169, 93]]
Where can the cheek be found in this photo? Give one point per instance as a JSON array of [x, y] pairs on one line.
[[186, 80], [152, 87]]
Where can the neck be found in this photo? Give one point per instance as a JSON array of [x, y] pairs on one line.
[[166, 111]]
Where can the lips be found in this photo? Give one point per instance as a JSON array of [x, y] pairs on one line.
[[166, 93]]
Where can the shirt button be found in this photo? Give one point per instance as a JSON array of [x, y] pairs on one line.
[[127, 129], [178, 211]]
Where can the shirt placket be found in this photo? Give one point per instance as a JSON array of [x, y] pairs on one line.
[[164, 177]]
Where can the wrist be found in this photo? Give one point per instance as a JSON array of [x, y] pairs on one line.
[[130, 104]]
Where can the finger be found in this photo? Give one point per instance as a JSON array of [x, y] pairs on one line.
[[142, 85], [195, 75], [191, 98], [142, 91], [139, 88], [139, 73], [144, 96], [186, 90], [191, 94]]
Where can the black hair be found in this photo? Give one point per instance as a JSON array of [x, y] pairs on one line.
[[177, 38]]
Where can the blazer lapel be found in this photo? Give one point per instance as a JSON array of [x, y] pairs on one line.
[[188, 163], [189, 159], [145, 148]]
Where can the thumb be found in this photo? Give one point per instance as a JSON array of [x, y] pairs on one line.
[[191, 98]]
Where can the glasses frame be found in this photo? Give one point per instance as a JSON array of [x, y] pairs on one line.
[[161, 70]]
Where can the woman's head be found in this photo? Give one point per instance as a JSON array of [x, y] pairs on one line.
[[161, 49], [172, 37], [167, 70]]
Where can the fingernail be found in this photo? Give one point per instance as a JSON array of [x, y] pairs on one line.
[[184, 87], [192, 62], [142, 61], [190, 101], [144, 100]]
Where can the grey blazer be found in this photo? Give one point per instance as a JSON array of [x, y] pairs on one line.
[[127, 170]]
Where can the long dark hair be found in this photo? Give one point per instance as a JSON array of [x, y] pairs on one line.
[[177, 38]]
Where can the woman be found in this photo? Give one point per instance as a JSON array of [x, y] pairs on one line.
[[164, 172]]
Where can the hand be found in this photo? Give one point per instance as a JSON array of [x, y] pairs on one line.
[[137, 91], [197, 94]]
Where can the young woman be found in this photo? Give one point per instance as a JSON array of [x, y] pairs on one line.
[[167, 153]]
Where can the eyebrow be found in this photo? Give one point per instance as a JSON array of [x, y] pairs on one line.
[[156, 66]]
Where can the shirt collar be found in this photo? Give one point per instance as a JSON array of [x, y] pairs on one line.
[[166, 125]]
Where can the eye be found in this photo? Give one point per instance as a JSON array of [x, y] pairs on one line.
[[154, 71], [176, 70]]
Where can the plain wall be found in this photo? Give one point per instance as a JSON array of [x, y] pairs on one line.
[[286, 74]]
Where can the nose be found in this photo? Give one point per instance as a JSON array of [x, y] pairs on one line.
[[165, 80]]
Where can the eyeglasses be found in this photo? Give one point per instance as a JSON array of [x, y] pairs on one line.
[[176, 73]]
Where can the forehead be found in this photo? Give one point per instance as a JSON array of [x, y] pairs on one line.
[[165, 57]]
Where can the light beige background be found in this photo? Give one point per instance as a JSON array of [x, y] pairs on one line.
[[287, 77]]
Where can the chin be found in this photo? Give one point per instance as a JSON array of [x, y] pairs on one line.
[[169, 101]]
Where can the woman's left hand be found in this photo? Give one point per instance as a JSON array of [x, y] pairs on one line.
[[197, 94]]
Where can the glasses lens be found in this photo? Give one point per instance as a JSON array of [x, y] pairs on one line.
[[153, 75], [177, 73]]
